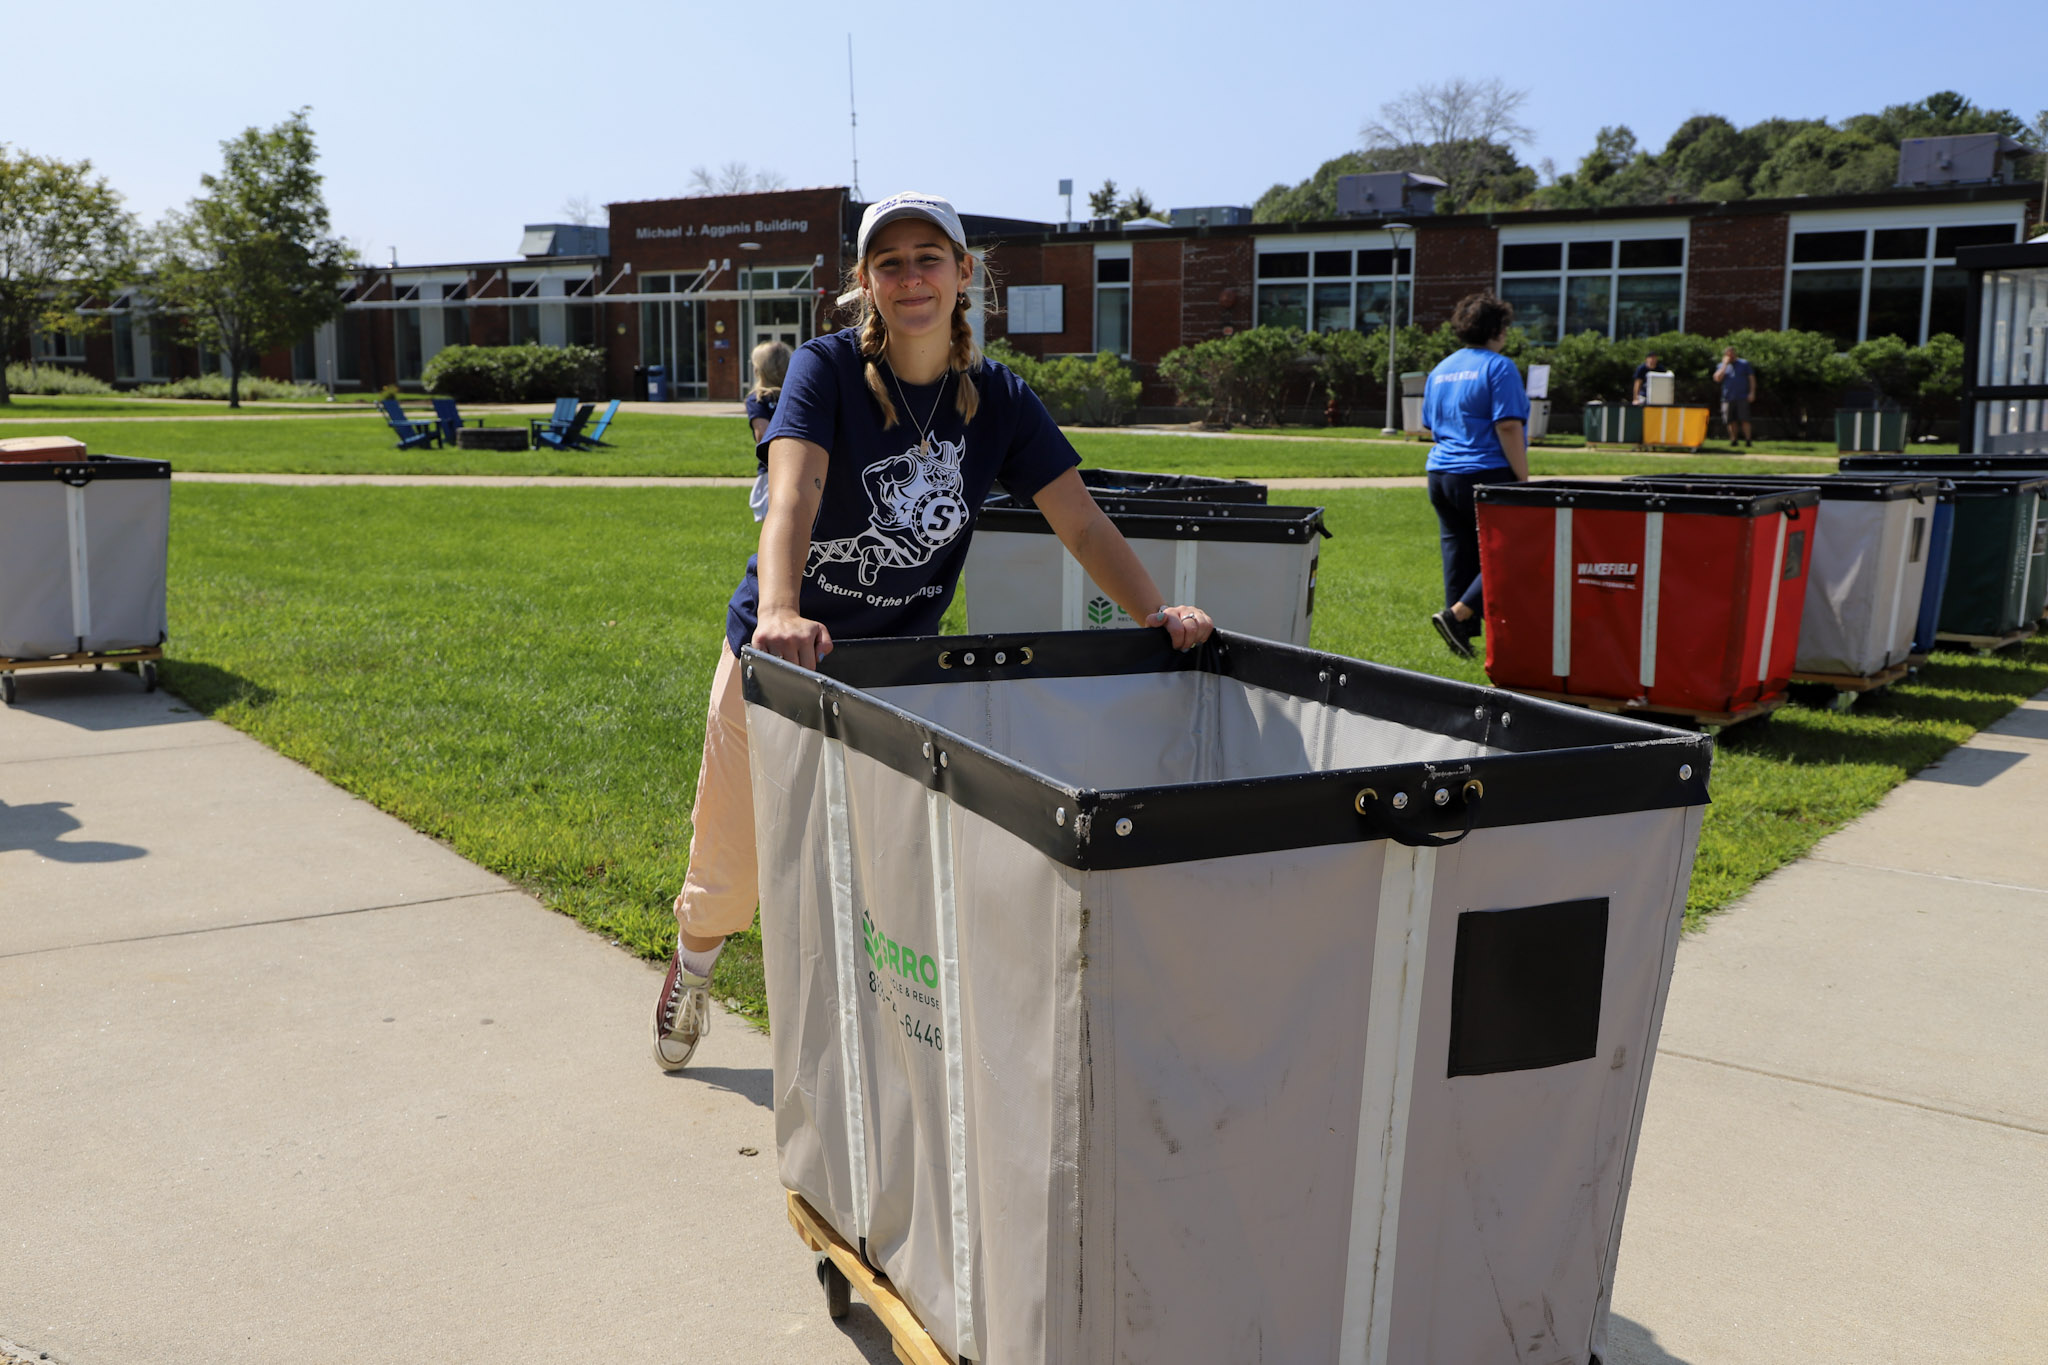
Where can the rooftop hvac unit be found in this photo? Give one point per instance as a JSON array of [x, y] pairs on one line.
[[1386, 192], [1223, 215], [1970, 158]]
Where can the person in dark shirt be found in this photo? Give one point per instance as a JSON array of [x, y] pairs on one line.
[[1737, 378], [1639, 387], [885, 440]]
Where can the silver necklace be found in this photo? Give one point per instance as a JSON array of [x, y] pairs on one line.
[[924, 435]]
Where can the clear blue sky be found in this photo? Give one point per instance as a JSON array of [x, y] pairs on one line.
[[444, 127]]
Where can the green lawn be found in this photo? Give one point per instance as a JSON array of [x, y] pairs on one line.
[[1573, 440], [521, 672], [690, 445]]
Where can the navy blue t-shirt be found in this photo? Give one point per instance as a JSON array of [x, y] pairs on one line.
[[895, 516], [762, 407], [1735, 380]]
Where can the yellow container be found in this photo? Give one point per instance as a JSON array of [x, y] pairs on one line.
[[1674, 426]]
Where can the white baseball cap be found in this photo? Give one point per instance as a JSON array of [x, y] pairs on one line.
[[909, 204]]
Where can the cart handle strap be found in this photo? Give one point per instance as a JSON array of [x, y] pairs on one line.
[[1367, 803]]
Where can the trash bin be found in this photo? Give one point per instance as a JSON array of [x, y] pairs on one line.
[[1869, 568], [1613, 424], [657, 383], [1252, 567], [1679, 600], [84, 545], [1870, 429], [1414, 387], [1016, 1064], [1685, 428], [1139, 484], [1660, 388], [1539, 418]]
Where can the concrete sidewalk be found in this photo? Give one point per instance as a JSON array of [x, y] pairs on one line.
[[281, 1079], [1845, 1154]]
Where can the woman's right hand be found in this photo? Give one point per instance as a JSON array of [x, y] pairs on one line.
[[791, 637]]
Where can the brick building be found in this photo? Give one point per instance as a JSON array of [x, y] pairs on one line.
[[689, 285], [1854, 266]]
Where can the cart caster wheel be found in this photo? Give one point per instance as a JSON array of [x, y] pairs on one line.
[[148, 675], [7, 688], [1843, 701], [838, 1293]]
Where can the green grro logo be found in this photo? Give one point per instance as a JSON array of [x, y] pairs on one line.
[[890, 956], [1101, 611]]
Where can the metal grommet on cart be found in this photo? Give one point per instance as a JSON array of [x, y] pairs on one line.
[[1685, 772], [1400, 800], [1366, 796], [1123, 826], [945, 658]]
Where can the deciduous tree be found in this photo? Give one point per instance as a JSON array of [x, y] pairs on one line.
[[248, 266], [64, 238]]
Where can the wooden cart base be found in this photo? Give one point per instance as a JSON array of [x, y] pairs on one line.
[[144, 660], [1985, 644], [840, 1269], [1704, 720], [1849, 686]]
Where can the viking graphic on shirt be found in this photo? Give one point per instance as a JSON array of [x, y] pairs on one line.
[[918, 505]]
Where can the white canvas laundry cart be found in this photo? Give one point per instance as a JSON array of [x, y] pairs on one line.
[[1247, 1003], [1871, 546], [1252, 567], [1141, 483], [84, 544]]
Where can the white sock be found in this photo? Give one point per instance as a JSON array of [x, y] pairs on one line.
[[699, 965]]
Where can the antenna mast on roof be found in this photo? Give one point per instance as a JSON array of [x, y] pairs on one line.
[[853, 117]]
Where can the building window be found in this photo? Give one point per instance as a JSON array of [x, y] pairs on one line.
[[1331, 291], [1614, 286], [525, 323], [1854, 284], [1113, 304], [405, 327], [348, 349], [305, 364], [57, 347], [124, 346], [582, 324], [455, 327]]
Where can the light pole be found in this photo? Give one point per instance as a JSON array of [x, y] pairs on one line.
[[747, 326], [1393, 322]]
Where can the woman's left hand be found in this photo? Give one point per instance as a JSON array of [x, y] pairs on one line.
[[1187, 626]]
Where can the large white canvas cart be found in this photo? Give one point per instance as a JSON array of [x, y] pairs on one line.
[[1251, 566], [1248, 1003], [84, 545]]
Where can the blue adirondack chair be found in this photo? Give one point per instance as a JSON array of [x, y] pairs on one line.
[[411, 434], [595, 436], [556, 422], [569, 437], [451, 420]]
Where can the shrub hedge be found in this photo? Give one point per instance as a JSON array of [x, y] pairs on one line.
[[514, 374], [253, 387], [1257, 375], [51, 380], [1094, 391]]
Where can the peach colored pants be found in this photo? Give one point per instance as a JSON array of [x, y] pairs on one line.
[[722, 886]]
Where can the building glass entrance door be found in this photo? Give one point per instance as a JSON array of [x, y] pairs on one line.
[[672, 335]]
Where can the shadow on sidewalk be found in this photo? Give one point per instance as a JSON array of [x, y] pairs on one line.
[[40, 829], [1970, 767], [207, 688], [756, 1084], [1631, 1343]]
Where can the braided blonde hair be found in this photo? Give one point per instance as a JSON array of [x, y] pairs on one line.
[[962, 361]]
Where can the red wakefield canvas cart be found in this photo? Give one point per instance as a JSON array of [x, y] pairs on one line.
[[1623, 597]]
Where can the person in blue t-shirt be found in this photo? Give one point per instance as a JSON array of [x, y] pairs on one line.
[[1477, 407], [770, 361], [1737, 378], [886, 439]]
